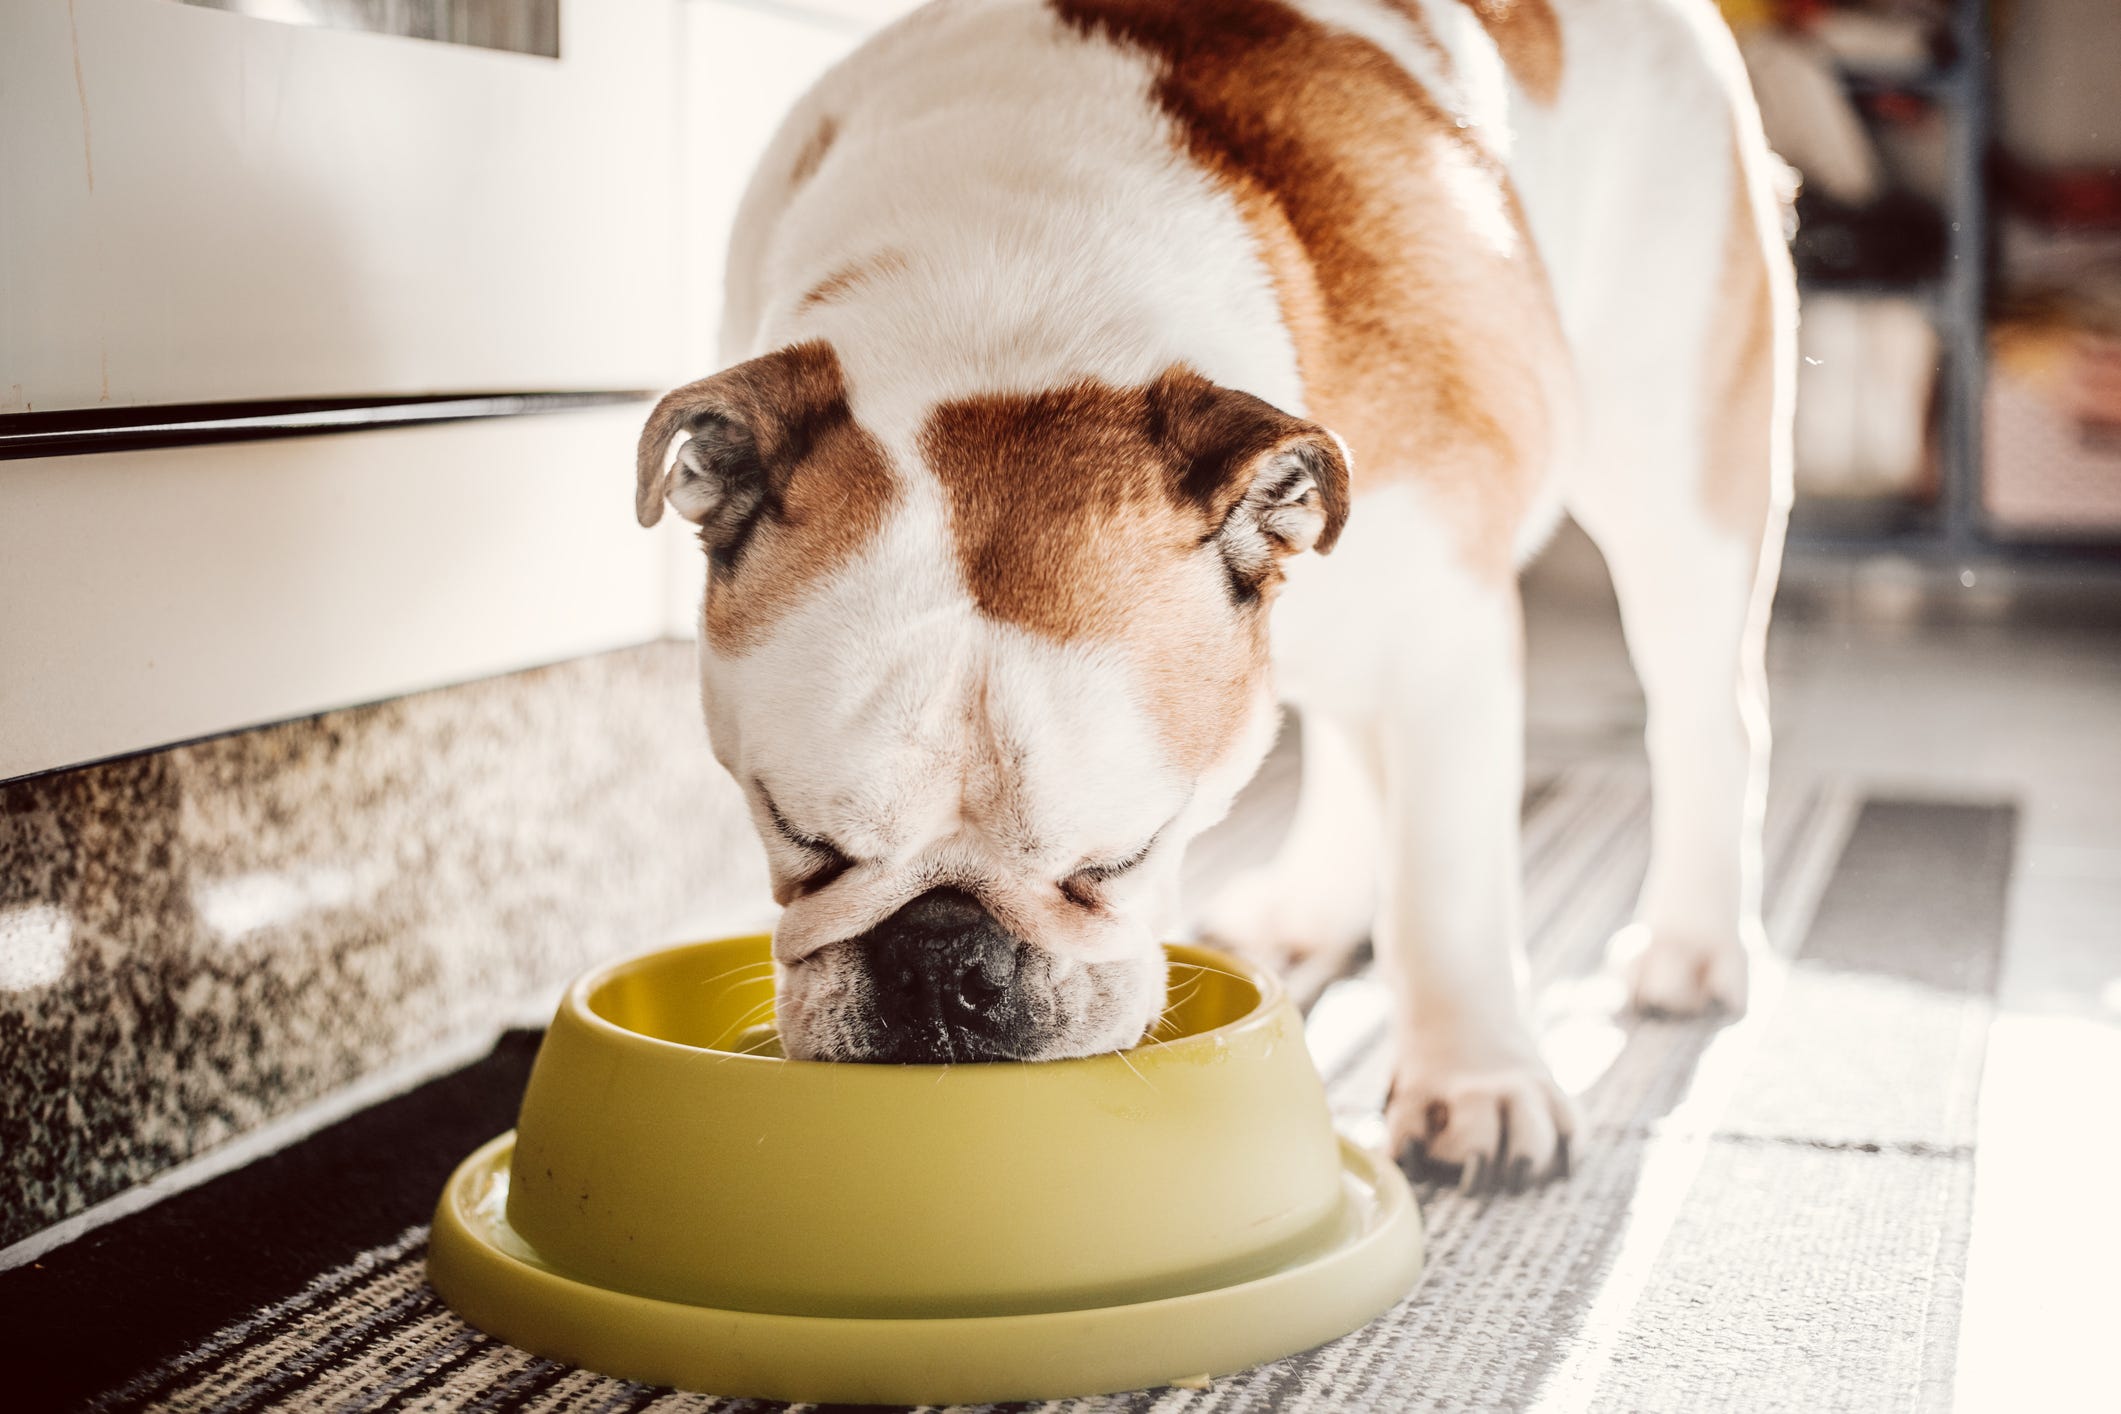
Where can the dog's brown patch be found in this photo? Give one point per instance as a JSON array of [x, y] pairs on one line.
[[1082, 514], [828, 483], [843, 281], [811, 155], [1738, 365], [1529, 38], [834, 494], [1428, 343]]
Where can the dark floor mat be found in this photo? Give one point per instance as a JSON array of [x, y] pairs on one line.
[[93, 1313]]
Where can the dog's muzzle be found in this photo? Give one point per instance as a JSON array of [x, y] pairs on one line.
[[944, 984]]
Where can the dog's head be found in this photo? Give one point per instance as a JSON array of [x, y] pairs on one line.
[[983, 668]]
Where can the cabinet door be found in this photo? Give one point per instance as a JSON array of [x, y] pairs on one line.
[[149, 597], [203, 206]]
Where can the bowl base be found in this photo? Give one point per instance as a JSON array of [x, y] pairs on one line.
[[494, 1279]]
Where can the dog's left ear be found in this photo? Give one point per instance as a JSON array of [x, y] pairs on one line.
[[1272, 484], [748, 425]]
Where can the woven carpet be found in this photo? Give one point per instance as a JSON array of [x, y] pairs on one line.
[[1766, 1215]]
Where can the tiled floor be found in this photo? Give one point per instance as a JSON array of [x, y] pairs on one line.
[[1993, 690]]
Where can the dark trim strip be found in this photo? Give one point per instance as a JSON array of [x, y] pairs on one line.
[[131, 429]]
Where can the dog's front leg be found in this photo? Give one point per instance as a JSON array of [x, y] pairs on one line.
[[1469, 1092]]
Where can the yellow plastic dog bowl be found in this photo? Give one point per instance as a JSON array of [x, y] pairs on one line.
[[681, 1206]]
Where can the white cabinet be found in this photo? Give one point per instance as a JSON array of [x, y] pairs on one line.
[[150, 597], [198, 206], [225, 209]]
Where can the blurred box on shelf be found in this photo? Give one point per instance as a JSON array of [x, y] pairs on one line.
[[1864, 392], [2056, 98], [2061, 198], [2053, 421]]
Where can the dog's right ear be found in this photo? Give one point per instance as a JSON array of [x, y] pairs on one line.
[[748, 426]]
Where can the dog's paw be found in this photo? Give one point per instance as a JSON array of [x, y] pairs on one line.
[[1676, 974], [1492, 1129]]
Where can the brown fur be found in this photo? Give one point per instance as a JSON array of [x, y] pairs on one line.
[[811, 156], [1737, 484], [843, 281], [1434, 354], [1529, 38], [1083, 514], [829, 486]]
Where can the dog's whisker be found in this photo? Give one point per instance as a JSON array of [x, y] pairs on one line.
[[1165, 1018], [764, 964], [1204, 967], [737, 971], [763, 1011], [771, 1038], [1137, 1074], [1180, 997]]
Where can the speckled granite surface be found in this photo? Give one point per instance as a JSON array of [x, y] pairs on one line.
[[198, 940]]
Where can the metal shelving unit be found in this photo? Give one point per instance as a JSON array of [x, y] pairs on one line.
[[1955, 526]]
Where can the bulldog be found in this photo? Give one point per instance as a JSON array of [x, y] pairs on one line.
[[1102, 374]]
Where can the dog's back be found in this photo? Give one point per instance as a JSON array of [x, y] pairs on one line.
[[1413, 220]]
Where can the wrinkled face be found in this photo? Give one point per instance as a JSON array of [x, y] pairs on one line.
[[982, 675]]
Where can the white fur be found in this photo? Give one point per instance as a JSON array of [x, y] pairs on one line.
[[1044, 229], [878, 711]]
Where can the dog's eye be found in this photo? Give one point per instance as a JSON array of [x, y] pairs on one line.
[[834, 864], [1081, 887], [831, 860]]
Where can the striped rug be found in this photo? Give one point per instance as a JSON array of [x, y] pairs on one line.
[[1767, 1215]]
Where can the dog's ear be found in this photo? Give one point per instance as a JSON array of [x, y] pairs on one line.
[[748, 427], [1272, 484]]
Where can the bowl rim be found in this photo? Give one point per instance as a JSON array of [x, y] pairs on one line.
[[574, 1004]]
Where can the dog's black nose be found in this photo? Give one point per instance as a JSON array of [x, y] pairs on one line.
[[943, 974]]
